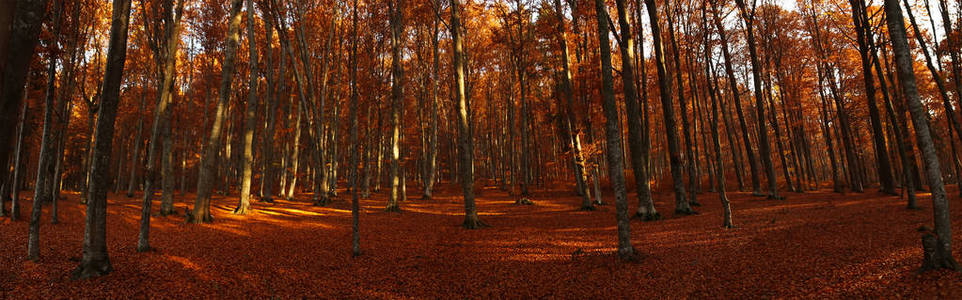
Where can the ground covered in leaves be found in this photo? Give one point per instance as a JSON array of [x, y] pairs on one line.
[[813, 245]]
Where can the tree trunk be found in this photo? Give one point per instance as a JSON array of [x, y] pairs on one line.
[[942, 254], [865, 44], [736, 97], [763, 143], [639, 161], [201, 210], [690, 159], [671, 132], [463, 111], [19, 50], [45, 159], [95, 261], [138, 140], [397, 98], [249, 116]]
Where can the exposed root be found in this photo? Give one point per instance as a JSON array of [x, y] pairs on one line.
[[587, 208], [647, 216], [474, 223], [91, 269]]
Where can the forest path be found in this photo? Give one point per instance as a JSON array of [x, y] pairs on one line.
[[817, 244]]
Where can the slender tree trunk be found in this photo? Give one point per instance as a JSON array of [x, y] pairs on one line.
[[355, 209], [138, 140], [397, 95], [249, 116], [865, 43], [95, 261], [569, 118], [763, 143], [45, 165], [690, 159], [639, 162], [733, 86], [664, 85]]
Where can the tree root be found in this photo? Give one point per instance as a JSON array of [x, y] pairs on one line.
[[393, 208], [91, 269], [647, 216], [474, 223]]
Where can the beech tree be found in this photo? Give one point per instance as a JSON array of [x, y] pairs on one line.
[[95, 261]]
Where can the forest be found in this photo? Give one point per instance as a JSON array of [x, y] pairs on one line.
[[480, 148]]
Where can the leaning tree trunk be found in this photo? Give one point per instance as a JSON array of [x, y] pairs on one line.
[[938, 247], [690, 160], [733, 90], [166, 53], [201, 210], [95, 261]]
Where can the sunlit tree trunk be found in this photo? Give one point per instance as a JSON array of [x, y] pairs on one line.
[[639, 162], [397, 98], [249, 116], [201, 210], [463, 111], [165, 50], [95, 261]]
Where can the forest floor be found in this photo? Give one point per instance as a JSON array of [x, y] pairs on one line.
[[813, 245]]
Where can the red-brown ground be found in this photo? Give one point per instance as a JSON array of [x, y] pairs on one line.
[[815, 245]]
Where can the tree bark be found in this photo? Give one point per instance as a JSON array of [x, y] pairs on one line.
[[942, 257], [201, 210], [463, 111], [95, 261], [244, 204], [671, 132]]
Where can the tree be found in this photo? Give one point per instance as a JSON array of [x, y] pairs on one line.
[[864, 38], [574, 143], [249, 116], [639, 159], [748, 16], [42, 187], [668, 110], [205, 180], [18, 52], [164, 45], [397, 100], [355, 236], [938, 247], [463, 111], [95, 261], [616, 160]]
